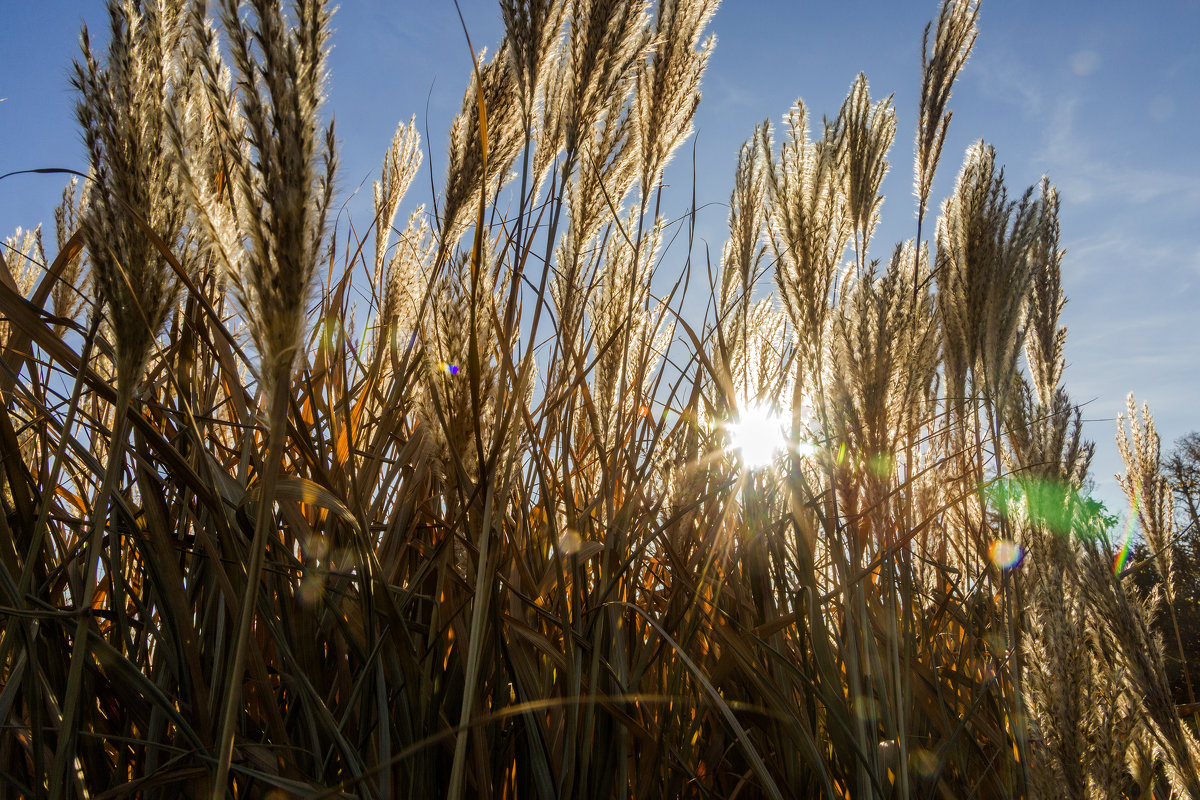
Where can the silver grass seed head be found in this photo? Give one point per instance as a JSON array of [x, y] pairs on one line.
[[1145, 486], [957, 27], [607, 172], [667, 83], [534, 29], [1123, 629], [573, 283], [282, 191], [407, 278], [1107, 732], [1045, 339], [863, 134], [808, 226], [122, 110], [66, 214], [468, 172], [24, 258], [208, 139], [25, 255], [984, 270], [620, 310], [1059, 684], [742, 255], [757, 356], [884, 356], [549, 126], [446, 343], [1046, 441], [69, 293], [400, 165], [606, 40]]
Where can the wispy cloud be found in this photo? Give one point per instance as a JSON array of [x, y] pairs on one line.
[[1089, 169], [1005, 76]]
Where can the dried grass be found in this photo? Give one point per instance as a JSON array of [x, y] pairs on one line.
[[495, 536]]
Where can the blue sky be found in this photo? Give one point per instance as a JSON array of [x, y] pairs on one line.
[[1102, 97]]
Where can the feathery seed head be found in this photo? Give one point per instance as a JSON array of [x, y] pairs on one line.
[[208, 138], [26, 257], [808, 224], [122, 110], [400, 166], [667, 83], [407, 276], [621, 313], [68, 293], [1145, 486], [863, 134], [478, 165], [268, 195], [533, 29], [984, 268], [957, 27], [1044, 338], [742, 255], [606, 40]]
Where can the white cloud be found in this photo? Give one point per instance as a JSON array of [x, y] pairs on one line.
[[1004, 75], [1161, 108], [1085, 62], [1089, 169]]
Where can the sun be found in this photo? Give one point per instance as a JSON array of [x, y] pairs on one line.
[[759, 434]]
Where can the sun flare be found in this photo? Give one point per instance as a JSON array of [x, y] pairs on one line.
[[759, 434]]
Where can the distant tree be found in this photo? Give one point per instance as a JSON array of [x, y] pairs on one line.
[[1182, 470]]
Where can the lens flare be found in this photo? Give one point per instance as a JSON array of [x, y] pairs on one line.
[[1122, 556], [923, 762], [805, 449], [312, 587], [758, 435], [569, 542], [1006, 554]]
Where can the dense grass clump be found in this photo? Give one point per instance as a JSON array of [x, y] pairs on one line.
[[511, 532]]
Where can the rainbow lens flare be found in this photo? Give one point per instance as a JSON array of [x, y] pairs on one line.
[[1122, 556], [1006, 554]]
